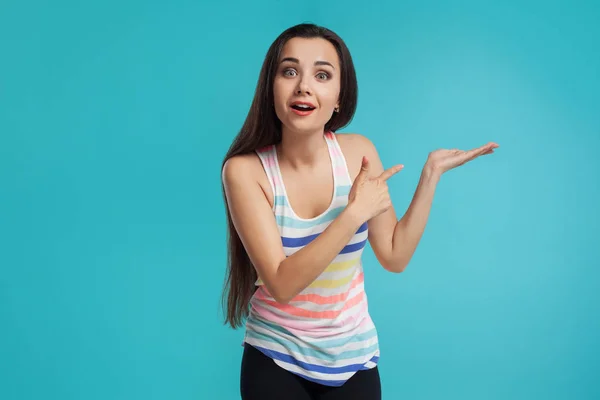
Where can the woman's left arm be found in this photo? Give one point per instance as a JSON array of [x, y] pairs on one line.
[[394, 241]]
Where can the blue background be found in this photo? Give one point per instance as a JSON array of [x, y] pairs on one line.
[[115, 116]]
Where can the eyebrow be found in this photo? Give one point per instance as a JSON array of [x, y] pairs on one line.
[[295, 60]]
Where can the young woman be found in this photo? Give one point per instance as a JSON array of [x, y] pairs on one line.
[[302, 201]]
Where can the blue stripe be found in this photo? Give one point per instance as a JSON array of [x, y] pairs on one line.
[[294, 348], [374, 360], [304, 240], [354, 247], [279, 201], [290, 222], [298, 242], [342, 190], [321, 343], [363, 227], [309, 367]]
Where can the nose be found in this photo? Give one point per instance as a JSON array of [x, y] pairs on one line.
[[303, 86]]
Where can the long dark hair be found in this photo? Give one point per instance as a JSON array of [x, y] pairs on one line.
[[262, 128]]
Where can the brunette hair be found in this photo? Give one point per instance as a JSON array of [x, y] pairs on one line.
[[262, 128]]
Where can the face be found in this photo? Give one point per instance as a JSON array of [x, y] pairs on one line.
[[307, 84]]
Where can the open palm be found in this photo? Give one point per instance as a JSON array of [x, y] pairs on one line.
[[443, 160]]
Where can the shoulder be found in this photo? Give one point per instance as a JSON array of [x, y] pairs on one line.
[[355, 143], [241, 167], [352, 138], [244, 171], [354, 146]]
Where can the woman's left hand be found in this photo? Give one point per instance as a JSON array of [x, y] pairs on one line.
[[442, 160]]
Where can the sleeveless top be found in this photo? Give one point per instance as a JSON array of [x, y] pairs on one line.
[[325, 333]]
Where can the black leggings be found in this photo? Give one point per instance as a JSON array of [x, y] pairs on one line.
[[262, 379]]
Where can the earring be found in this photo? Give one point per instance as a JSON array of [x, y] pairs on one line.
[[337, 109]]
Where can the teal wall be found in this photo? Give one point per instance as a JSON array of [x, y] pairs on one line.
[[115, 115]]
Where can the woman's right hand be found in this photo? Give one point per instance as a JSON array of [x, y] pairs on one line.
[[369, 196]]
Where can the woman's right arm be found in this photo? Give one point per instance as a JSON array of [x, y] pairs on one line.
[[256, 226]]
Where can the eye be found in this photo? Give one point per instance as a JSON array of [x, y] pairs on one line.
[[323, 75], [289, 72]]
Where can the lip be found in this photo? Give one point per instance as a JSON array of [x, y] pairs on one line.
[[304, 103], [300, 112]]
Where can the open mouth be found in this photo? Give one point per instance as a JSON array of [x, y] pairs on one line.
[[301, 107]]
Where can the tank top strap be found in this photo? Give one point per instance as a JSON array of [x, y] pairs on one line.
[[267, 156], [340, 168]]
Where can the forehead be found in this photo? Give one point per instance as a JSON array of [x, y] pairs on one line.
[[310, 50]]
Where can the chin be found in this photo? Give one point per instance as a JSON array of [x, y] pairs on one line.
[[304, 126]]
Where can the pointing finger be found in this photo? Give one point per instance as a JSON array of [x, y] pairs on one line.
[[388, 173]]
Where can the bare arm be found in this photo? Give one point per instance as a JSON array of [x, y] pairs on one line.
[[385, 229], [394, 242], [255, 223], [408, 231]]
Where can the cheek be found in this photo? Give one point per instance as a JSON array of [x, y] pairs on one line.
[[329, 97], [280, 97], [277, 95], [281, 92], [329, 93]]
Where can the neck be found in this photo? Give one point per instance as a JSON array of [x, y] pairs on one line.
[[302, 149]]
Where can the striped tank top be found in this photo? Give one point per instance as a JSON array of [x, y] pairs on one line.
[[325, 333]]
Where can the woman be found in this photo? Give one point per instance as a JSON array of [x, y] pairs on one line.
[[302, 201]]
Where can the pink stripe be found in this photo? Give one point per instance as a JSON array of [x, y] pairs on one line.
[[263, 293], [340, 170], [336, 153], [332, 330], [333, 299], [310, 328], [284, 322], [307, 327], [270, 161], [301, 312], [265, 149]]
